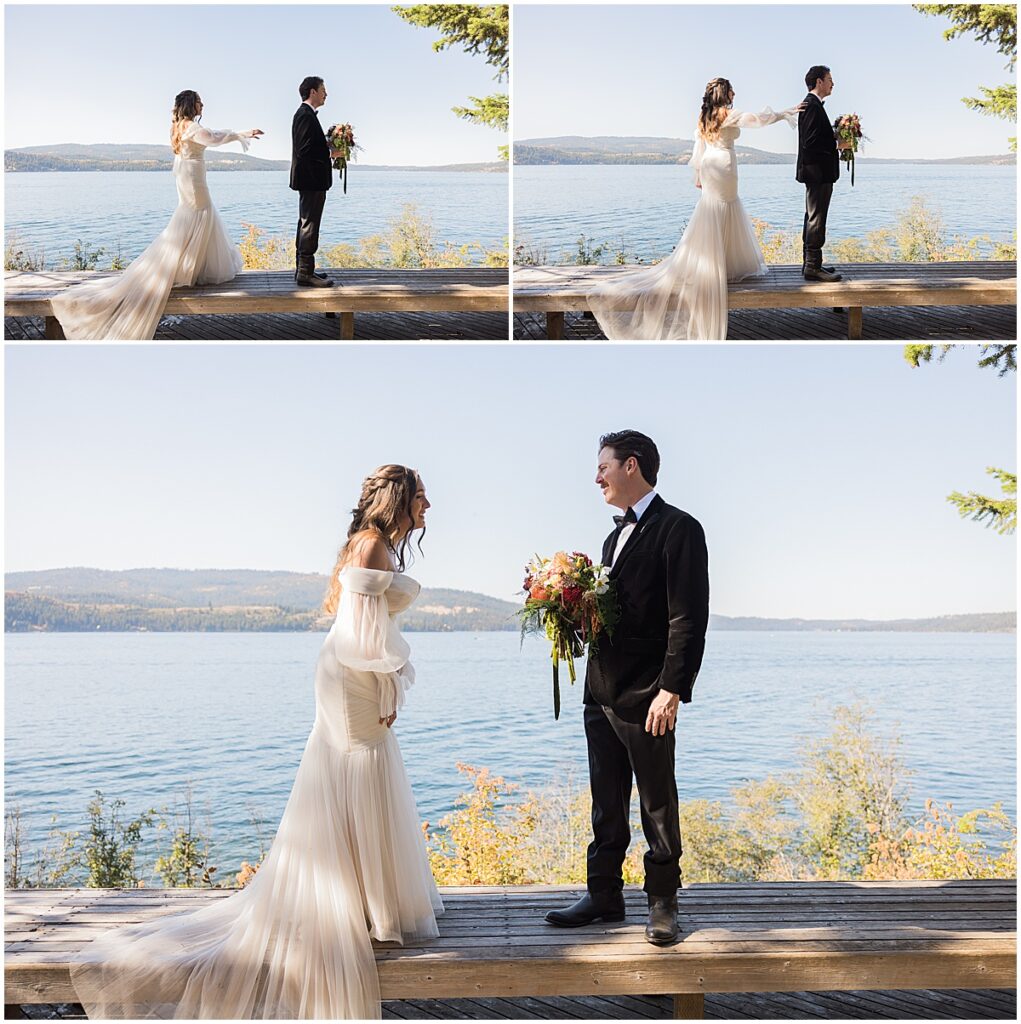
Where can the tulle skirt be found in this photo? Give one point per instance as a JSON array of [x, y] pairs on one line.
[[193, 249], [348, 863], [684, 297]]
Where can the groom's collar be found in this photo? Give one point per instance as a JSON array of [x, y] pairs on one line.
[[642, 504]]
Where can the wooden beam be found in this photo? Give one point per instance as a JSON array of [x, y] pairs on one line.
[[854, 323], [347, 326], [689, 1006], [555, 325], [52, 330]]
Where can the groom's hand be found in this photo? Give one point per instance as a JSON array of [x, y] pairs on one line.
[[662, 713]]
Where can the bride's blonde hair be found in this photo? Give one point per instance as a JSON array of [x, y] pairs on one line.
[[386, 503], [185, 111], [715, 104]]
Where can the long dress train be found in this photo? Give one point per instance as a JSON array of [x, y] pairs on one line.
[[684, 296], [348, 862], [192, 249]]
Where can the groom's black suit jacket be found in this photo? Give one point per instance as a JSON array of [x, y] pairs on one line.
[[818, 157], [311, 168], [662, 586]]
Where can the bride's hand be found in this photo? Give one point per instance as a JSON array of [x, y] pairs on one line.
[[255, 133], [800, 107], [389, 721], [698, 184]]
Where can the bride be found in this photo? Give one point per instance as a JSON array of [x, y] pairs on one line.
[[193, 248], [685, 295], [348, 863]]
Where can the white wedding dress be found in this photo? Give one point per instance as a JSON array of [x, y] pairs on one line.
[[348, 862], [193, 249], [684, 296]]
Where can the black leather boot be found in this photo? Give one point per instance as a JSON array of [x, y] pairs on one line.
[[820, 274], [593, 906], [308, 278], [662, 927]]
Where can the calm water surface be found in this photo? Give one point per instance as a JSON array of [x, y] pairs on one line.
[[647, 207], [139, 715], [50, 209]]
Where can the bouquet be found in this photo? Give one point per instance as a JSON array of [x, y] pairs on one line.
[[847, 128], [572, 602], [342, 137]]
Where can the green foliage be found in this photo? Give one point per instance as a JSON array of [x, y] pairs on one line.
[[84, 257], [849, 789], [999, 513], [479, 30], [16, 258], [14, 849], [409, 243], [838, 814], [111, 845], [186, 863], [990, 23], [476, 846], [1002, 357]]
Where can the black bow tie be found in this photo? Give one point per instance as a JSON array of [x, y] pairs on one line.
[[628, 517]]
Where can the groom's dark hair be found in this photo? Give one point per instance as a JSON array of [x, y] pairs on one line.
[[307, 85], [626, 443], [814, 73]]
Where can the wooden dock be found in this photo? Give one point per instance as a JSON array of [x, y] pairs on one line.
[[955, 1004], [402, 302], [757, 949], [883, 323], [866, 290], [296, 327]]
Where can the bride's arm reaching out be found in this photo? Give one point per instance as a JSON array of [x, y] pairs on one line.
[[212, 137], [746, 119]]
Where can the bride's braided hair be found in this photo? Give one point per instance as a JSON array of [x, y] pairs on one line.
[[388, 496], [186, 106], [715, 104]]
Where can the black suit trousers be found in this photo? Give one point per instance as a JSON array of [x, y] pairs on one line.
[[618, 751], [310, 215], [817, 206]]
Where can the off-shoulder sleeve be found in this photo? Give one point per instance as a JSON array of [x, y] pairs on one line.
[[366, 639], [696, 155], [212, 137], [745, 119]]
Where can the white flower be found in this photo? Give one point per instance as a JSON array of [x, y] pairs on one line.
[[601, 580]]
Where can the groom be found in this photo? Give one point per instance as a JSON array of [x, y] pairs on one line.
[[634, 683], [818, 168], [311, 178]]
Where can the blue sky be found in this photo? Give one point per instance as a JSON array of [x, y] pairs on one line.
[[111, 73], [641, 70], [820, 473]]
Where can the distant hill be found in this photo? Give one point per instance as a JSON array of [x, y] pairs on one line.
[[127, 157], [981, 622], [171, 600], [612, 149]]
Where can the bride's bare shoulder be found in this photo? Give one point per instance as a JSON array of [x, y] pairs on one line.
[[368, 550]]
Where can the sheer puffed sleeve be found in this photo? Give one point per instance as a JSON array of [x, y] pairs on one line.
[[366, 639], [212, 137], [696, 156], [745, 119]]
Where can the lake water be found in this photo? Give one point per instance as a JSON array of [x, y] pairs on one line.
[[648, 206], [51, 209], [138, 715]]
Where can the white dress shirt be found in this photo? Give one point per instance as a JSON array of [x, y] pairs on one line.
[[639, 507]]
